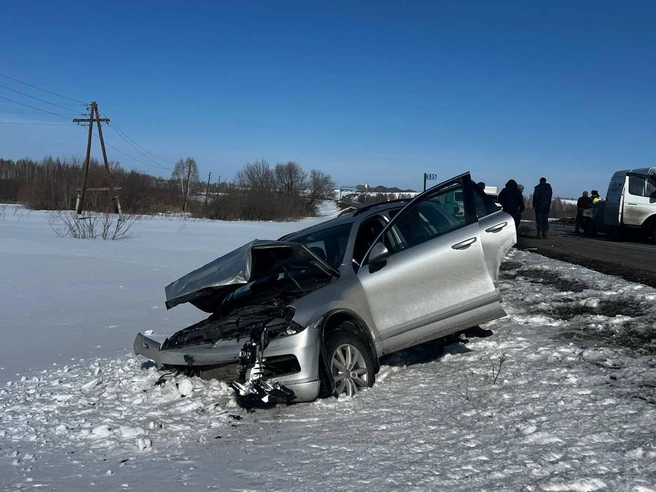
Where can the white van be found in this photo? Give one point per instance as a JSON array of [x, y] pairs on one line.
[[630, 203]]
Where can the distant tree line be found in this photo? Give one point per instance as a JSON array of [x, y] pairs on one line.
[[258, 192], [262, 192], [53, 184]]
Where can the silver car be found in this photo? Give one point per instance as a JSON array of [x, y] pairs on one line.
[[311, 314]]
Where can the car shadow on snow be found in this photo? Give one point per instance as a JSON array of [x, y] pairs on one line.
[[426, 352]]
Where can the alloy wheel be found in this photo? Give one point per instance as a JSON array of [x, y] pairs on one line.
[[349, 369]]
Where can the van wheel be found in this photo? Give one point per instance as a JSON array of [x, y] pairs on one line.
[[351, 364], [653, 235]]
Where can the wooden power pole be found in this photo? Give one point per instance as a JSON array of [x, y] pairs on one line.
[[94, 116], [207, 191], [184, 204]]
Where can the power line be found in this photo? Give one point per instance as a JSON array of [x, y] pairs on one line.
[[38, 88], [30, 123], [11, 111], [121, 132], [39, 99], [128, 155], [32, 107], [125, 137]]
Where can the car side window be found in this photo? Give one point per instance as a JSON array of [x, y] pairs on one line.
[[367, 234], [485, 204], [437, 215], [637, 186], [650, 188]]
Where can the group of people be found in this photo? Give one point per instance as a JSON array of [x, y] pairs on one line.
[[511, 199], [582, 204]]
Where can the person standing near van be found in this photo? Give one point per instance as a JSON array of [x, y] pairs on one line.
[[582, 204], [595, 197], [542, 204], [512, 201]]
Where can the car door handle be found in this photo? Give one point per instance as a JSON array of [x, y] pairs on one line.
[[497, 227], [464, 244]]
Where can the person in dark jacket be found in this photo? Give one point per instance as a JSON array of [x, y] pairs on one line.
[[512, 201], [582, 204], [542, 204]]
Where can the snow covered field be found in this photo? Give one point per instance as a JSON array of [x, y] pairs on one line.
[[562, 397]]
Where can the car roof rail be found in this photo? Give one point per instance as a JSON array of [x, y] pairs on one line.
[[378, 204]]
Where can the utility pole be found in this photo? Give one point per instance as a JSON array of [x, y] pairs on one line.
[[94, 116], [207, 191], [117, 204], [184, 204]]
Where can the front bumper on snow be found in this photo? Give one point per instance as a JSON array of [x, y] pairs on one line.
[[221, 360], [222, 352]]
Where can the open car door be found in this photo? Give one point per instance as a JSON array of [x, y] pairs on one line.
[[426, 275]]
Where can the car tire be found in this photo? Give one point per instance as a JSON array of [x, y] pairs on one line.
[[351, 364], [650, 234]]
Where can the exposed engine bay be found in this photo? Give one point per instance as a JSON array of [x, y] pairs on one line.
[[249, 294], [272, 317], [255, 313]]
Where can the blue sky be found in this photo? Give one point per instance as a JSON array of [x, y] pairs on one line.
[[368, 92]]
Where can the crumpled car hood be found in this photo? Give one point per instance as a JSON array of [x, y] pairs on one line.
[[209, 285]]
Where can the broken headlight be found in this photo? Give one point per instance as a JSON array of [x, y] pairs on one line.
[[285, 326]]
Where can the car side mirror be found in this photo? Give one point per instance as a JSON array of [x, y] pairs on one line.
[[378, 257], [378, 253]]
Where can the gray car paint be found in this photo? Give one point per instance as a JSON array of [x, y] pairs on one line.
[[425, 292]]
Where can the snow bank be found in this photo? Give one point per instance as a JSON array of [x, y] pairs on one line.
[[561, 397]]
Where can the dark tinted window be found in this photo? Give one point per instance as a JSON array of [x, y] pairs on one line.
[[636, 186], [367, 234], [438, 214], [639, 186], [650, 188], [485, 204]]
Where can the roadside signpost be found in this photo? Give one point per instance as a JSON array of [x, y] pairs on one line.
[[429, 177]]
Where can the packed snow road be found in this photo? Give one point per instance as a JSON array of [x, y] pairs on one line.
[[561, 397]]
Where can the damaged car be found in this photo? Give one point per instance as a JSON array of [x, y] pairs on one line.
[[310, 314]]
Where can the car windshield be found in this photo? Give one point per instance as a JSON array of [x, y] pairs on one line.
[[328, 244]]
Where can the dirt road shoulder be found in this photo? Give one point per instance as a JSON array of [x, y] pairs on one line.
[[635, 262]]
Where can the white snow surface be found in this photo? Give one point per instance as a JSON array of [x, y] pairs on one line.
[[561, 398]]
